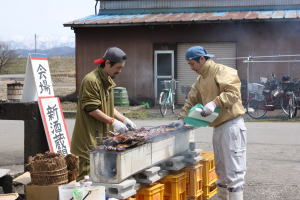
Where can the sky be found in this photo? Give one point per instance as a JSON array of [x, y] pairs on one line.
[[21, 19]]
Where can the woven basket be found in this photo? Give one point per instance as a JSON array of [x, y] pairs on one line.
[[48, 169], [72, 175], [73, 166], [56, 177]]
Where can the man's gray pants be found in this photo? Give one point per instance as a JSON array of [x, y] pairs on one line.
[[229, 143]]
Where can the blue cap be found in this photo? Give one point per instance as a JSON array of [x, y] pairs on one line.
[[195, 52]]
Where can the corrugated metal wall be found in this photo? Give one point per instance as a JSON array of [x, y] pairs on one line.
[[148, 4], [139, 42], [186, 76]]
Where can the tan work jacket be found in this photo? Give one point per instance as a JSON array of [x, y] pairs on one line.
[[96, 92], [220, 84]]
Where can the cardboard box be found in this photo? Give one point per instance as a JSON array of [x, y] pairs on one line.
[[37, 192], [11, 196]]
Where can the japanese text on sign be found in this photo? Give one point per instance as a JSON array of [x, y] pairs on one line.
[[53, 120], [38, 82], [43, 84], [56, 129]]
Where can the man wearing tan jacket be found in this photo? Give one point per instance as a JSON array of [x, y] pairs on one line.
[[218, 86]]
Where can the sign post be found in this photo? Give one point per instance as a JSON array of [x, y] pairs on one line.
[[38, 87]]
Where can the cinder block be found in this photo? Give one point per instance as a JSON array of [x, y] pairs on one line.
[[121, 190], [152, 170], [163, 173], [192, 157], [175, 163], [193, 160], [148, 176]]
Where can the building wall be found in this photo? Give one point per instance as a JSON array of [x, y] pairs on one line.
[[137, 76], [139, 42]]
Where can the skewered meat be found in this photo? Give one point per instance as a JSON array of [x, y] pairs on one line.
[[133, 138]]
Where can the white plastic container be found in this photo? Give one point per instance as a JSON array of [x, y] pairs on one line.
[[196, 114], [65, 191], [91, 192]]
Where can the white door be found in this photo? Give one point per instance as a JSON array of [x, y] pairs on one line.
[[163, 69], [186, 76]]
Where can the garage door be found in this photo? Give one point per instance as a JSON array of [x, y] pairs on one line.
[[186, 76]]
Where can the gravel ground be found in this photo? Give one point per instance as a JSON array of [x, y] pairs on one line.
[[272, 155], [273, 148]]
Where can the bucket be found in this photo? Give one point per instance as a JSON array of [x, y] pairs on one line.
[[14, 92], [121, 96]]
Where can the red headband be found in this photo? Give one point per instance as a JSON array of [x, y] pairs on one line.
[[99, 61]]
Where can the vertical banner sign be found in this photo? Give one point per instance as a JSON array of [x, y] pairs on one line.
[[54, 124], [38, 82], [38, 87]]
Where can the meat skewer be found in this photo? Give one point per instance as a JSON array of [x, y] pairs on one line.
[[133, 138]]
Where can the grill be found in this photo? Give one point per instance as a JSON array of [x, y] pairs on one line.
[[115, 166]]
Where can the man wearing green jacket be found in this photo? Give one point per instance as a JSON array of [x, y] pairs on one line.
[[218, 86], [96, 115]]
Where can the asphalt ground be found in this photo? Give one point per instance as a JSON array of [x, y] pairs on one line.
[[273, 157]]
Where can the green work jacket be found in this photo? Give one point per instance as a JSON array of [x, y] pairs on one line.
[[96, 92]]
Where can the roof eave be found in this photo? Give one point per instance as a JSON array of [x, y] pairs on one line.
[[179, 22]]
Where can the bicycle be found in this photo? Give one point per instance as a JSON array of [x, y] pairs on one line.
[[261, 100], [255, 105], [167, 97], [289, 104]]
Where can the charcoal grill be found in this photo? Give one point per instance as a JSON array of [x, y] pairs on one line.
[[115, 166]]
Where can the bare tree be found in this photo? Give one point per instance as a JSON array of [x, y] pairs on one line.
[[6, 53]]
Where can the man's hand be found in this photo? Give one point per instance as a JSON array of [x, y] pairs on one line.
[[119, 127], [130, 125], [177, 124], [208, 109]]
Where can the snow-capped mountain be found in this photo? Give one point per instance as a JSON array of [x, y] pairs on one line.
[[43, 42], [56, 51]]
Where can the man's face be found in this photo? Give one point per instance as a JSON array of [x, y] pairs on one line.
[[196, 65], [115, 69]]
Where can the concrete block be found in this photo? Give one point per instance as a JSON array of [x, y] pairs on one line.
[[152, 170], [192, 157], [148, 176], [193, 160], [174, 164], [147, 179], [163, 173], [121, 190]]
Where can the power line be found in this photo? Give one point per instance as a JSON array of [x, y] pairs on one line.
[[255, 57], [271, 61]]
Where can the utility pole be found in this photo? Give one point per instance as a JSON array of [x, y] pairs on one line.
[[96, 8], [34, 43]]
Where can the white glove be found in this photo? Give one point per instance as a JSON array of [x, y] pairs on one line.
[[119, 127], [130, 125], [208, 109], [177, 124]]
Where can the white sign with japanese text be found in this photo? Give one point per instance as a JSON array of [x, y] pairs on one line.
[[54, 124], [38, 82]]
